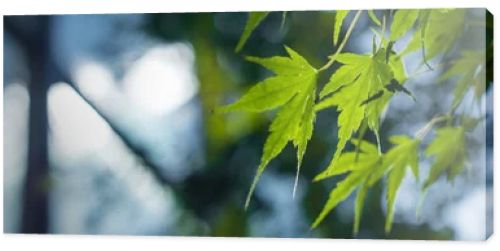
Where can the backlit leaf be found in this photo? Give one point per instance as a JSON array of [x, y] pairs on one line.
[[365, 169], [340, 193], [352, 161], [358, 166], [362, 77], [358, 207], [448, 151], [438, 32], [402, 155], [402, 22], [254, 19], [340, 15], [293, 90], [470, 70]]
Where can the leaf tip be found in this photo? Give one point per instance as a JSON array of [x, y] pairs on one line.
[[289, 50], [388, 227], [315, 224], [355, 232], [387, 231], [249, 197], [319, 176], [251, 59], [295, 186], [238, 48], [240, 44]]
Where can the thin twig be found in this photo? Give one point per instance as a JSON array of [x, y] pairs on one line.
[[416, 73], [422, 132], [343, 43]]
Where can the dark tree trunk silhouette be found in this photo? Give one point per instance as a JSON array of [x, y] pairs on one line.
[[33, 34], [35, 201]]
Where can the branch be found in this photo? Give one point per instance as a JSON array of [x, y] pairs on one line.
[[25, 42], [137, 151]]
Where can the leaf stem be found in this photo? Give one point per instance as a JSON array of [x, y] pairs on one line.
[[343, 43], [420, 72], [422, 132]]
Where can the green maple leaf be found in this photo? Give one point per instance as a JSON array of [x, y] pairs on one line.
[[356, 160], [358, 206], [340, 15], [448, 150], [254, 19], [304, 131], [293, 91], [367, 167], [469, 123], [360, 77], [470, 70], [377, 107], [404, 154], [358, 166], [438, 31], [403, 21]]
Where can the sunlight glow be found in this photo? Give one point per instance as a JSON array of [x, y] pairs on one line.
[[16, 108], [91, 163], [80, 130], [162, 79], [93, 78]]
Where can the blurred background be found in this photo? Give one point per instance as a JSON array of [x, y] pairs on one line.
[[109, 128]]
